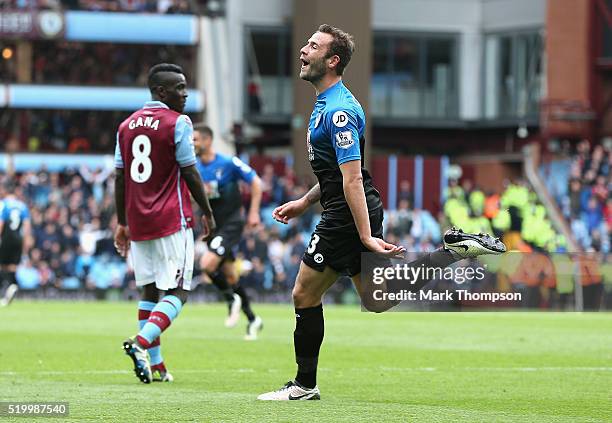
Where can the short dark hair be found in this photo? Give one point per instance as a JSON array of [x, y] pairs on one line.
[[343, 45], [203, 129], [154, 79], [10, 186]]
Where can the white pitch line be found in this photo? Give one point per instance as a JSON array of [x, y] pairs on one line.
[[386, 369], [498, 369]]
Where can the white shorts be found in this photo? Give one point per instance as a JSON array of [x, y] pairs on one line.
[[167, 261]]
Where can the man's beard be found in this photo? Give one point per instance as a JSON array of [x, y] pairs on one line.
[[316, 71]]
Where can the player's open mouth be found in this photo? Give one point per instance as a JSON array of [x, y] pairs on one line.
[[304, 63]]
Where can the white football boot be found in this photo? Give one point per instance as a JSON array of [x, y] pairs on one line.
[[292, 391], [234, 312], [253, 328], [471, 245]]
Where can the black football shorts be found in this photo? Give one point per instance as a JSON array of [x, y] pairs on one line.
[[10, 251], [226, 238], [336, 244]]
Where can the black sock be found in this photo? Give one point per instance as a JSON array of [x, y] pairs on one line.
[[307, 340], [219, 281], [8, 278], [246, 303]]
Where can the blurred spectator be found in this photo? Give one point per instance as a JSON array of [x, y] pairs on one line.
[[73, 220], [136, 6], [92, 131], [405, 193], [587, 204], [125, 65]]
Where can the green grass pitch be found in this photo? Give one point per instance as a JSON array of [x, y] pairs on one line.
[[442, 367]]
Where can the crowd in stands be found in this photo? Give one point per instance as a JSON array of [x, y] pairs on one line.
[[580, 179], [31, 4], [136, 6], [101, 64], [590, 200], [543, 266], [61, 131], [139, 6], [73, 221]]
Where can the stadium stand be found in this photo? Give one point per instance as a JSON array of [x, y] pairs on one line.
[[135, 6], [74, 131], [514, 214], [125, 65], [581, 182], [73, 220]]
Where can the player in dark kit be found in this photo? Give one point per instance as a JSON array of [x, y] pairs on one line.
[[155, 172], [15, 230], [351, 222], [221, 175]]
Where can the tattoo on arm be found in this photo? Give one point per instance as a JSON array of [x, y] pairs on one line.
[[314, 194]]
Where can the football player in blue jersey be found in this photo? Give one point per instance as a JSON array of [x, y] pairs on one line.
[[351, 222], [15, 239], [221, 175]]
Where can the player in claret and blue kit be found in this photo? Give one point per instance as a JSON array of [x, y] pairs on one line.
[[351, 222], [155, 172]]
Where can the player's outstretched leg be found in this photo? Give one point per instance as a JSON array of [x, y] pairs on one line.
[[457, 246]]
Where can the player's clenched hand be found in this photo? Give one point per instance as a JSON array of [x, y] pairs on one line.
[[382, 248], [122, 240], [289, 210], [208, 227]]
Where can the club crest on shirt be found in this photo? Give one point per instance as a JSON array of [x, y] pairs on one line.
[[344, 139], [340, 119]]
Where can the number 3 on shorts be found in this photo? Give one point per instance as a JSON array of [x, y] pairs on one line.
[[313, 244]]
